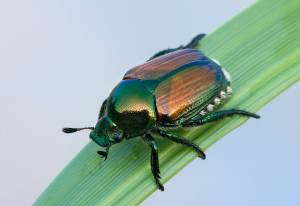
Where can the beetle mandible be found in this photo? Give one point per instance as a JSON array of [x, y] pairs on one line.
[[178, 87]]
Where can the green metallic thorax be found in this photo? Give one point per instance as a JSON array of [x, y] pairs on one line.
[[131, 106]]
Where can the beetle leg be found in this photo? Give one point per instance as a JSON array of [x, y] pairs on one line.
[[154, 160], [104, 154], [217, 116], [183, 141], [102, 109], [195, 41], [191, 44]]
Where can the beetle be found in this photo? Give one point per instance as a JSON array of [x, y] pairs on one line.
[[175, 88]]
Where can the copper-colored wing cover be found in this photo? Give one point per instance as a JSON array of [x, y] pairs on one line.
[[188, 92], [162, 65]]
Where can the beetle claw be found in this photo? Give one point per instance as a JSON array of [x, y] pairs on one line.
[[159, 185], [202, 155], [102, 154]]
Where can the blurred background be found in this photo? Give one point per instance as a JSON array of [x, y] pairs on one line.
[[59, 59]]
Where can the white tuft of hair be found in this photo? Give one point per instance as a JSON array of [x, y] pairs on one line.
[[226, 73], [216, 61]]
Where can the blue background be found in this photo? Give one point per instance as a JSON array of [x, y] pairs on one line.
[[60, 59]]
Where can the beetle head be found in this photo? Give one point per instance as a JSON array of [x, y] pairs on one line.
[[105, 134]]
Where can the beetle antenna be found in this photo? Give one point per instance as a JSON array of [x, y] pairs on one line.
[[71, 130]]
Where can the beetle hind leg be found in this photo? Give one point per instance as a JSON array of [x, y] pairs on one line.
[[218, 116], [195, 41], [192, 44], [154, 160], [183, 141]]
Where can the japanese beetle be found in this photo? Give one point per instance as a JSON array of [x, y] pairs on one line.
[[178, 87]]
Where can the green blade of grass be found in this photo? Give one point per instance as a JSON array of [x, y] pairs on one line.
[[261, 50]]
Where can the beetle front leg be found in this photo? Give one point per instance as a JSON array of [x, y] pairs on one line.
[[217, 116], [154, 162], [104, 154], [102, 109]]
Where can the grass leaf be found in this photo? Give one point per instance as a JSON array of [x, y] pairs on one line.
[[261, 50]]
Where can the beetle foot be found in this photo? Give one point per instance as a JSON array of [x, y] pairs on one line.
[[103, 154], [159, 185], [201, 154]]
